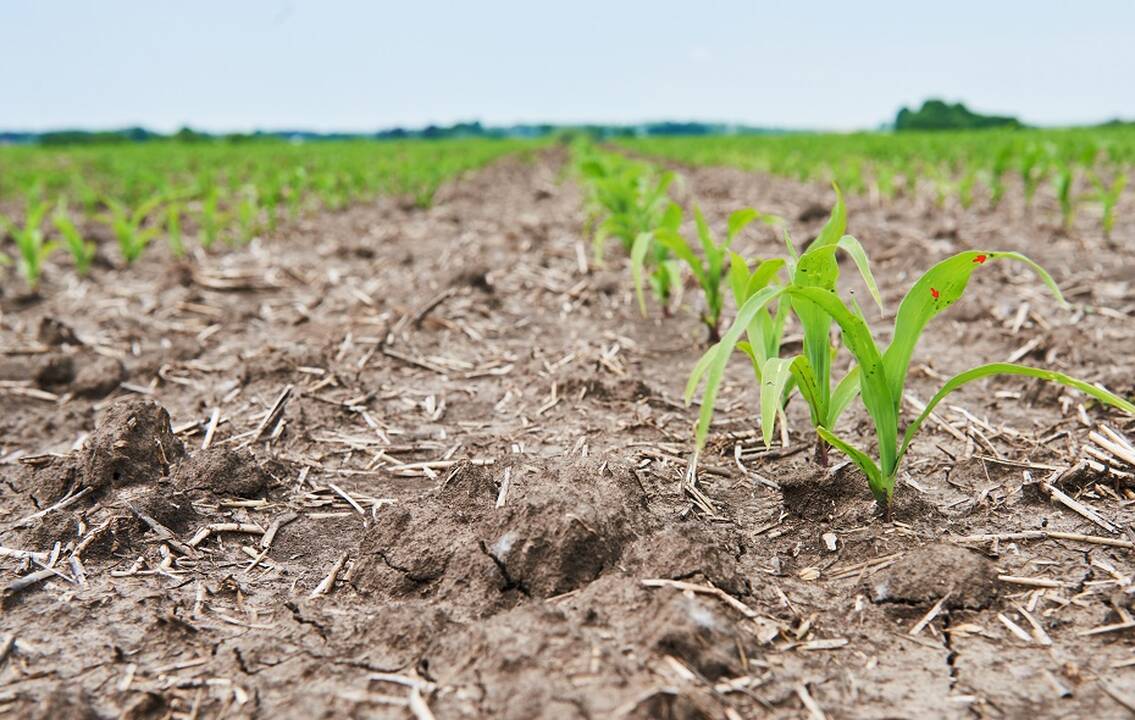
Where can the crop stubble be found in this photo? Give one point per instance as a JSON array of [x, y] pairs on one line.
[[445, 473]]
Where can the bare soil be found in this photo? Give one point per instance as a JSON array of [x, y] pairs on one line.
[[394, 462]]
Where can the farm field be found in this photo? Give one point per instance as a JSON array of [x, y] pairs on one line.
[[414, 452]]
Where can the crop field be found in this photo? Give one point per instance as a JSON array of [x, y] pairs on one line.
[[820, 426]]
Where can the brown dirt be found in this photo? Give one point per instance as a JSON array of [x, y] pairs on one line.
[[436, 356]]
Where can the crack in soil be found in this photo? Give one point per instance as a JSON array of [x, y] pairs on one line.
[[298, 615], [951, 653], [407, 572], [509, 583]]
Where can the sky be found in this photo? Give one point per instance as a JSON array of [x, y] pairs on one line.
[[354, 65]]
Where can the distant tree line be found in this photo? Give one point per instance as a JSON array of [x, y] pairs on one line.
[[940, 115], [430, 132]]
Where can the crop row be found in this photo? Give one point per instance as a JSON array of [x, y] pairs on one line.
[[1081, 166], [52, 198], [628, 200]]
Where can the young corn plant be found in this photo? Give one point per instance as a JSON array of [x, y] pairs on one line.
[[173, 230], [1108, 195], [628, 201], [1031, 173], [211, 218], [655, 256], [810, 372], [129, 226], [707, 270], [1065, 182], [881, 374], [32, 244], [997, 172], [625, 200], [82, 250], [248, 214]]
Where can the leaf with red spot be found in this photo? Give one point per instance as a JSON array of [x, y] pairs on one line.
[[939, 288]]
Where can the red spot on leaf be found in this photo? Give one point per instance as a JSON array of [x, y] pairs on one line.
[[979, 259], [934, 293]]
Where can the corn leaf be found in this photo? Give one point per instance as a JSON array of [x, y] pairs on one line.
[[738, 220], [715, 372], [1003, 368], [875, 478], [845, 391], [876, 392], [638, 260], [939, 288], [775, 374], [699, 371]]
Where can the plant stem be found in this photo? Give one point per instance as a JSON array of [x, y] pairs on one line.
[[821, 455]]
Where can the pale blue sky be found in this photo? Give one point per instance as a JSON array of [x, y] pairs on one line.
[[355, 65]]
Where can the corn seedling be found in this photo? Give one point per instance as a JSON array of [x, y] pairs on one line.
[[997, 176], [707, 269], [625, 200], [173, 230], [1031, 173], [653, 249], [1065, 180], [129, 226], [248, 215], [880, 376], [211, 218], [810, 372], [82, 250], [30, 241], [629, 201], [1108, 195]]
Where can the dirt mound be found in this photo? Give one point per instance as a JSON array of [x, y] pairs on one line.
[[924, 575], [53, 331], [539, 660], [54, 369], [48, 479], [550, 536], [132, 444], [690, 552], [630, 390], [85, 374], [98, 376], [279, 361], [172, 508], [222, 471], [816, 494]]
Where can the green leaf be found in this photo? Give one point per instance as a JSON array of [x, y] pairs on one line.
[[845, 391], [939, 288], [638, 260], [671, 218], [677, 244], [876, 391], [738, 278], [852, 247], [738, 220], [763, 275], [700, 368], [809, 386], [836, 225], [880, 487], [1003, 368], [775, 374], [715, 373]]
